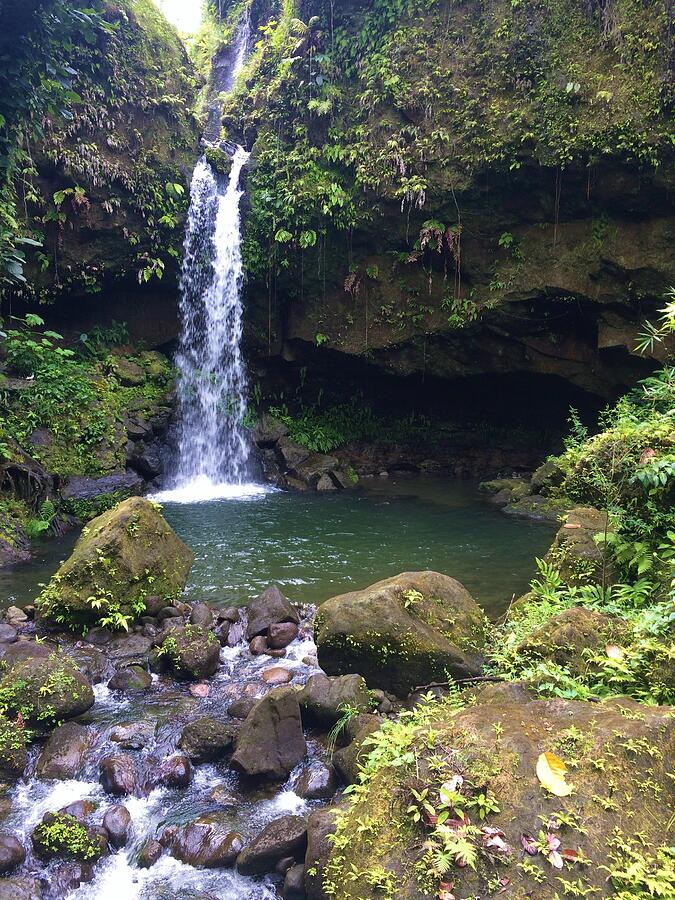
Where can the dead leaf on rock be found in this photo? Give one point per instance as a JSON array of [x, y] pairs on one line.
[[528, 843], [551, 771], [613, 651]]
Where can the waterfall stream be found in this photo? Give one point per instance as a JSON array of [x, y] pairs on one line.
[[212, 444]]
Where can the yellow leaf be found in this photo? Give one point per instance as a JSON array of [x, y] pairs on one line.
[[551, 773]]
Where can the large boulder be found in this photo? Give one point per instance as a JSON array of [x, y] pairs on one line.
[[282, 839], [610, 813], [323, 700], [320, 827], [270, 742], [46, 690], [121, 557], [64, 753], [269, 608], [403, 632], [207, 841]]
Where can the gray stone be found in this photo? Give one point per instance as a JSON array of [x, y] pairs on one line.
[[281, 838]]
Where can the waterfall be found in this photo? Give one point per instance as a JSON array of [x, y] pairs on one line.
[[212, 443]]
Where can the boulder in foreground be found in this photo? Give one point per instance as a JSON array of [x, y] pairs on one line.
[[403, 632], [271, 743], [604, 829], [121, 557]]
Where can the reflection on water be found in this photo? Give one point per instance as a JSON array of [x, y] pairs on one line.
[[318, 545]]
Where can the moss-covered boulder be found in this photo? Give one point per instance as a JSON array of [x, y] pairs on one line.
[[576, 553], [46, 690], [403, 632], [603, 828], [571, 637], [121, 557]]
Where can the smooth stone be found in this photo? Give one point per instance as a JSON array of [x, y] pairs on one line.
[[206, 739], [20, 888], [204, 842], [270, 742], [201, 614], [64, 753], [258, 646], [154, 604], [281, 635], [116, 823], [235, 634], [294, 884], [131, 678], [317, 782], [281, 838], [80, 809], [149, 853], [118, 774], [17, 653], [12, 852], [133, 735], [16, 616], [8, 634], [277, 675], [199, 690], [176, 772]]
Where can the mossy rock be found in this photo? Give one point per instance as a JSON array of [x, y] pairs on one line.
[[192, 652], [568, 638], [575, 552], [61, 836], [618, 755], [122, 556], [13, 752], [403, 632], [46, 690]]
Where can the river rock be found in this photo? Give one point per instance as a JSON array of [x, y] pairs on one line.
[[131, 678], [64, 753], [192, 653], [323, 699], [13, 750], [92, 662], [269, 608], [149, 853], [175, 772], [12, 852], [15, 617], [270, 742], [294, 884], [206, 739], [258, 646], [201, 614], [80, 809], [282, 837], [61, 836], [347, 760], [118, 774], [50, 689], [403, 632], [20, 888], [125, 553], [8, 634], [207, 841], [281, 635], [116, 823], [277, 675], [133, 735], [317, 782]]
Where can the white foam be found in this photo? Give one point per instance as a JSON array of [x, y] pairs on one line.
[[34, 798], [203, 490]]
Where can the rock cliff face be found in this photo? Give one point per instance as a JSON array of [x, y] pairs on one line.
[[106, 194], [458, 189]]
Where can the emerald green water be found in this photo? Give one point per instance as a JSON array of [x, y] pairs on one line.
[[316, 545]]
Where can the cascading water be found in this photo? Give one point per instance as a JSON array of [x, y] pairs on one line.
[[213, 449]]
